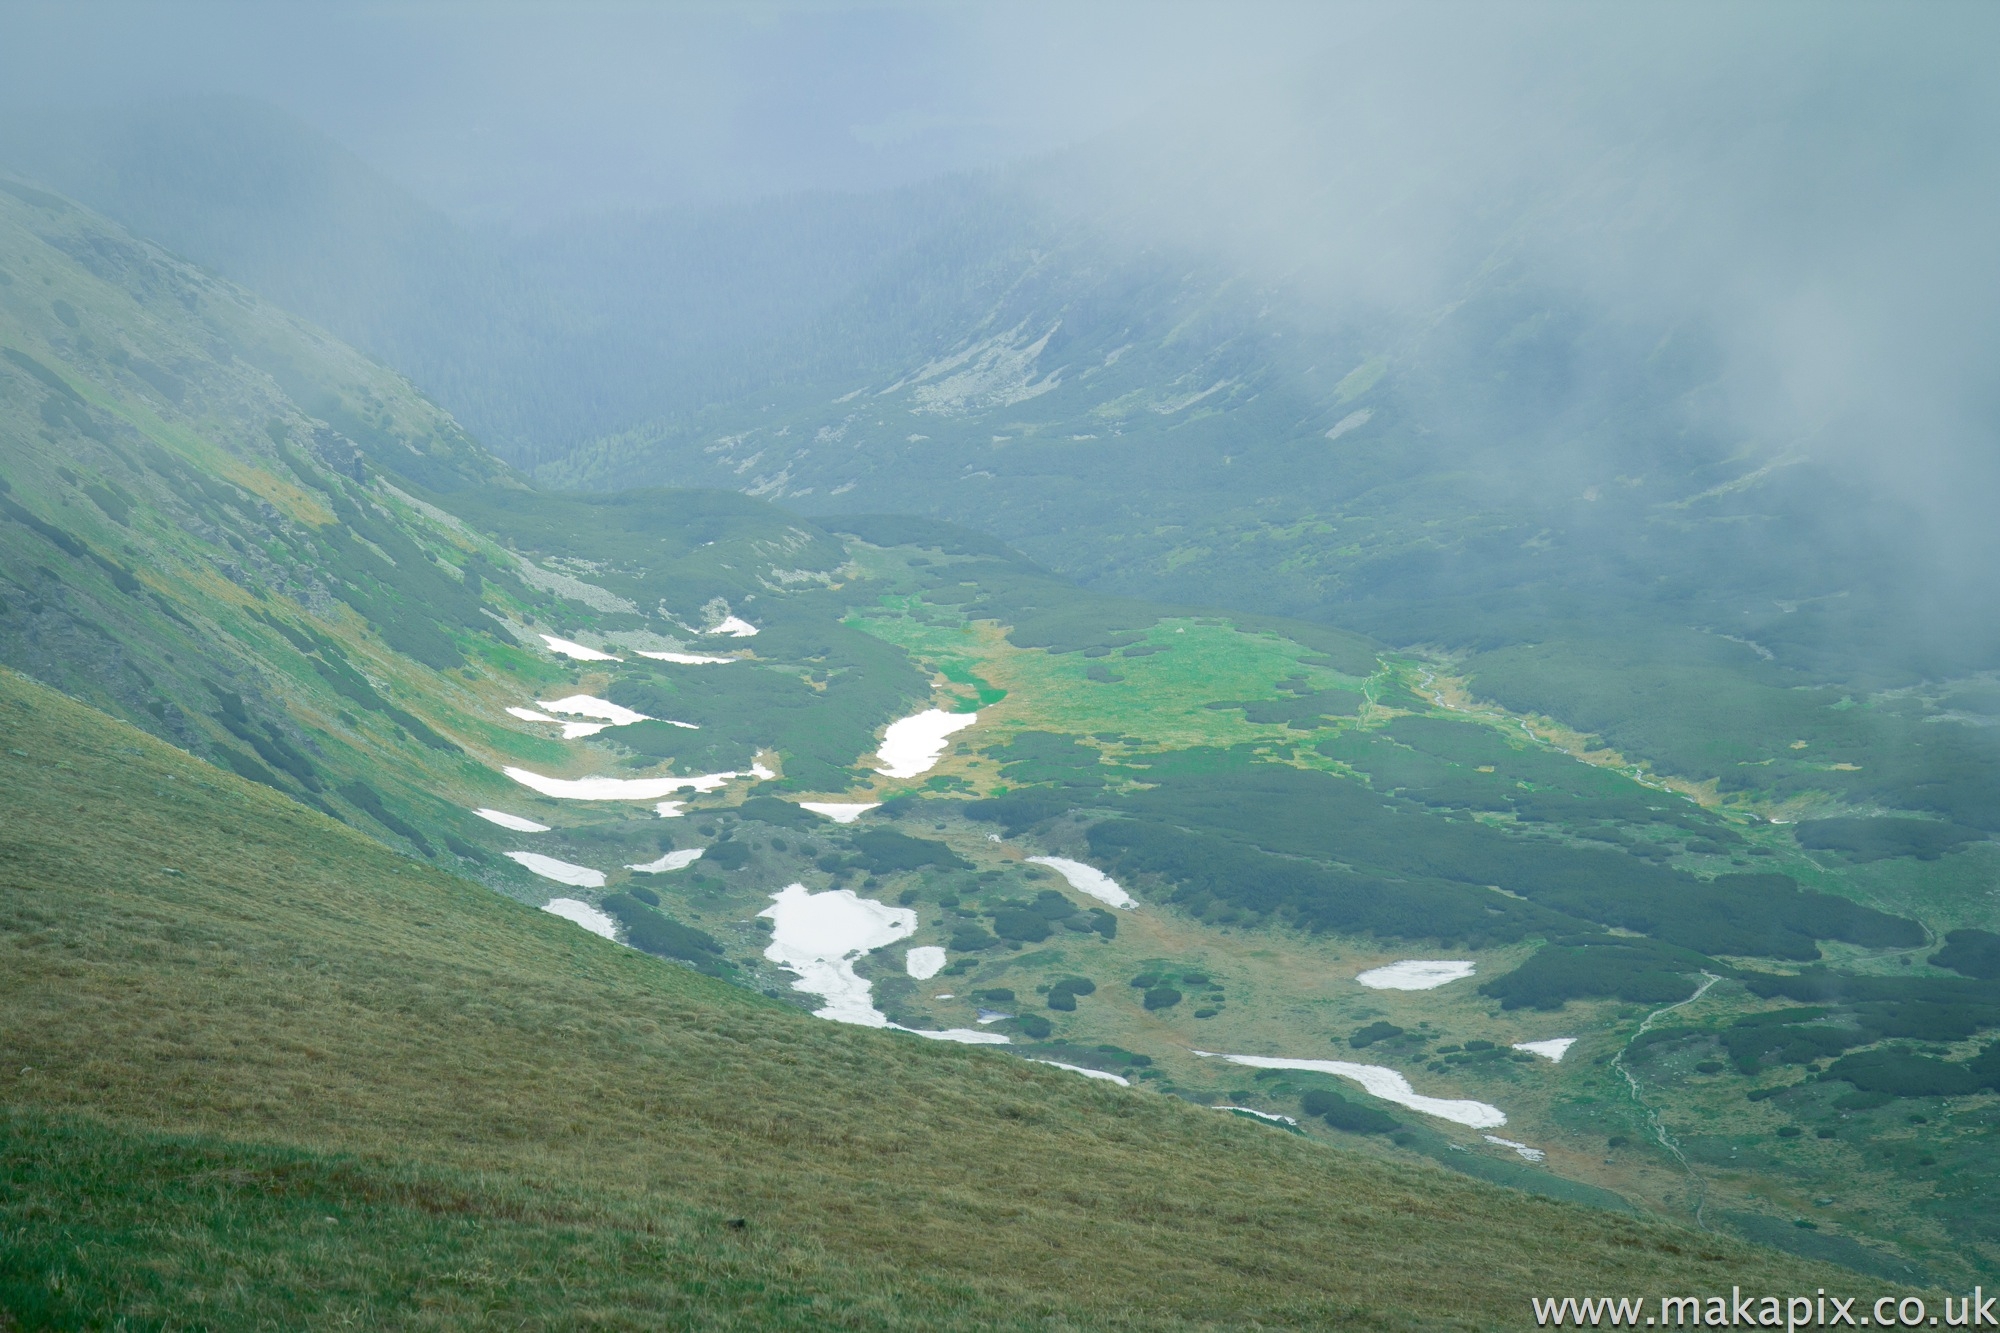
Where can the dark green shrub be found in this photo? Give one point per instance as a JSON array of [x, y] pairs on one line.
[[1034, 1026], [1062, 1000], [995, 995], [1902, 1074], [1052, 905], [1162, 997], [1206, 1013], [1637, 970], [657, 933], [1342, 1114], [1146, 980], [886, 850], [1018, 924], [1478, 1045], [644, 895], [727, 855], [1976, 953], [1374, 1032], [1880, 838], [1104, 923], [969, 938], [771, 810], [1789, 1132]]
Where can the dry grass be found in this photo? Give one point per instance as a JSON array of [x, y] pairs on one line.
[[296, 986]]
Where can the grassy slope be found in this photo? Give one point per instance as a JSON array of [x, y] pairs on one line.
[[508, 1116], [227, 529]]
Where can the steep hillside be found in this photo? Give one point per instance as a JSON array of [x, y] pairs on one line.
[[311, 1082], [1245, 862]]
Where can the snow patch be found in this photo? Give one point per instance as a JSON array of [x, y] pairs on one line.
[[670, 809], [964, 1036], [1555, 1048], [1170, 406], [1087, 1073], [1520, 1149], [616, 789], [566, 648], [913, 745], [686, 659], [562, 872], [924, 962], [1087, 879], [515, 822], [996, 372], [1271, 1116], [819, 935], [680, 860], [840, 812], [586, 705], [1381, 1082], [530, 715], [1415, 974], [736, 627], [583, 914], [1352, 421]]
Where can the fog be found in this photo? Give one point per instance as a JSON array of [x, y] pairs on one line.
[[1812, 188]]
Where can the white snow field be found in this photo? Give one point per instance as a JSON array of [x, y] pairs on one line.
[[1381, 1082], [964, 1036], [840, 812], [735, 627], [913, 745], [515, 822], [1415, 974], [685, 659], [1119, 1079], [1087, 879], [1352, 421], [530, 715], [1555, 1048], [1521, 1150], [616, 789], [680, 860], [670, 809], [819, 935], [562, 872], [924, 962], [565, 648], [587, 705], [1271, 1116], [592, 920]]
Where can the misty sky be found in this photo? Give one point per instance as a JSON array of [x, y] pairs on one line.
[[515, 113], [1819, 183]]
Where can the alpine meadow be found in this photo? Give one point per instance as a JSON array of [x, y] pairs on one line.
[[998, 666]]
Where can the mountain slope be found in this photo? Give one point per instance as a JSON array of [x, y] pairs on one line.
[[192, 955], [234, 532]]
